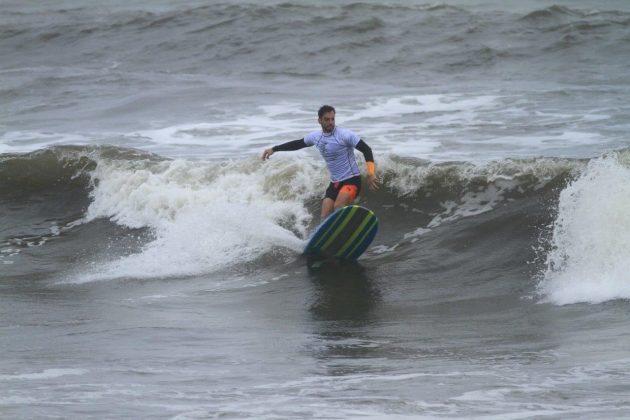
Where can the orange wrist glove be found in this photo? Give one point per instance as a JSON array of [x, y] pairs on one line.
[[371, 168]]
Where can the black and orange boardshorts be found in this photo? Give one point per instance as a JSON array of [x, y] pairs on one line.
[[351, 186]]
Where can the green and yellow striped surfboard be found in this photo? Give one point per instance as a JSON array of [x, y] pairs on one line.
[[345, 234]]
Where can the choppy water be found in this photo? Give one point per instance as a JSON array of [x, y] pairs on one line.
[[150, 263]]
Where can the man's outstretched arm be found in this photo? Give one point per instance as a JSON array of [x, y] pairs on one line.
[[284, 147]]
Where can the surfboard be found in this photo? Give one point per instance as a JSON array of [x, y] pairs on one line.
[[345, 234]]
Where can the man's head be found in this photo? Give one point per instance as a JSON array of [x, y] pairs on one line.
[[326, 119]]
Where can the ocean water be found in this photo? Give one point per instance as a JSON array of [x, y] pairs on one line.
[[150, 262]]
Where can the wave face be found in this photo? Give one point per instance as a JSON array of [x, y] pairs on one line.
[[159, 217]]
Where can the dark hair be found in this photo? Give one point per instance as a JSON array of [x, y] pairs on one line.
[[324, 110]]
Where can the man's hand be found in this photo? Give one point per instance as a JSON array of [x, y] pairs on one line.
[[373, 182], [267, 153]]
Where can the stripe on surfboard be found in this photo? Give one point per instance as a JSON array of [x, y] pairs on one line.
[[332, 226], [348, 221], [344, 234], [359, 232], [364, 241]]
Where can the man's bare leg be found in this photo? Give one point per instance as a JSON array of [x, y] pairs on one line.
[[328, 205], [343, 199]]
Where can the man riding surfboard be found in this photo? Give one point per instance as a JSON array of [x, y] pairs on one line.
[[336, 146]]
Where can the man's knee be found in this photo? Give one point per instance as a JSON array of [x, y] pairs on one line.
[[351, 190], [343, 199]]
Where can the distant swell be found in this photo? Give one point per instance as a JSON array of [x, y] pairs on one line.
[[553, 13], [385, 41]]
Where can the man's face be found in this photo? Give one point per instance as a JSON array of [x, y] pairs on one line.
[[327, 121]]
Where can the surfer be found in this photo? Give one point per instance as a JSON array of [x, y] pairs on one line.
[[337, 146]]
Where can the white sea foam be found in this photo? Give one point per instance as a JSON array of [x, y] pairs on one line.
[[242, 134], [45, 374], [589, 260], [204, 216], [442, 127], [472, 204], [413, 236]]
